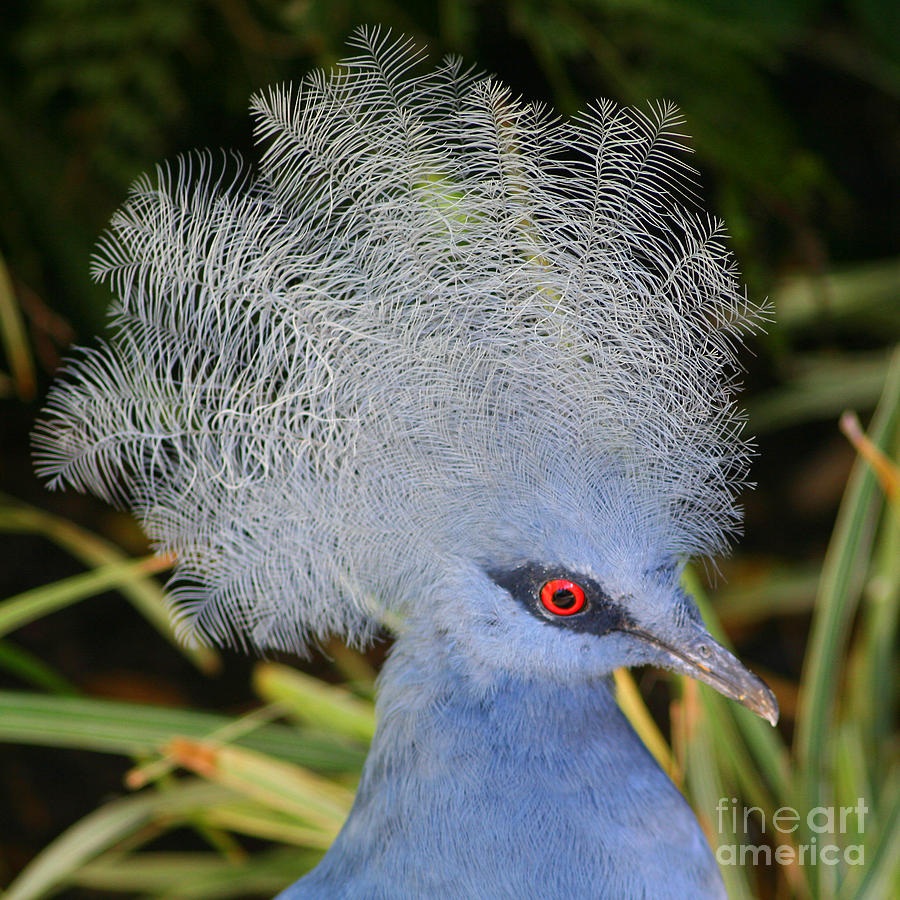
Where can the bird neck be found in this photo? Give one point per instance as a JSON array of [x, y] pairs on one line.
[[485, 786]]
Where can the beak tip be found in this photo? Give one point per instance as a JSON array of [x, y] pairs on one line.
[[700, 657], [766, 706]]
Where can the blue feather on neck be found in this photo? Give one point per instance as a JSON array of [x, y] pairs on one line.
[[508, 788]]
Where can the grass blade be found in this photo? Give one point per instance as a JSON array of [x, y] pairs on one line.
[[881, 876], [104, 828], [843, 574], [33, 670], [12, 335], [632, 705], [271, 782], [144, 594], [30, 605], [179, 876], [133, 729], [310, 700]]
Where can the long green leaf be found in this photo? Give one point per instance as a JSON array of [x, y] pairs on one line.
[[881, 876], [33, 670], [179, 876], [843, 576], [332, 708], [133, 729], [821, 387], [144, 594], [871, 696], [30, 605], [704, 781], [865, 292], [13, 339], [763, 741], [102, 829], [275, 784]]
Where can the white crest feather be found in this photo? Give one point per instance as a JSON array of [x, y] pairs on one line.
[[439, 326]]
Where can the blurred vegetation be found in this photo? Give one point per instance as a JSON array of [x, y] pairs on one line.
[[795, 112]]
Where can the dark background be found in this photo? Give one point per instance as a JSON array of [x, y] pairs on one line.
[[793, 107]]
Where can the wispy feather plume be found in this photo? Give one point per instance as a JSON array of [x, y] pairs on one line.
[[438, 326]]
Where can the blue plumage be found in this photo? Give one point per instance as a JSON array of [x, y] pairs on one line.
[[510, 787], [447, 363]]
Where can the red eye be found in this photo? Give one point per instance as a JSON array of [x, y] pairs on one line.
[[562, 597]]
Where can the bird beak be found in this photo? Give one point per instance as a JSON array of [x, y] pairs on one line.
[[699, 656]]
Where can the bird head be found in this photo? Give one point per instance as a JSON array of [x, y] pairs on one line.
[[442, 358], [576, 628], [573, 610]]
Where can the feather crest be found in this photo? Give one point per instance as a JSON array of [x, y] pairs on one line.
[[438, 327]]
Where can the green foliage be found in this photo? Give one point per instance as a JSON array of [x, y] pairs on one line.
[[292, 785], [794, 116], [98, 90]]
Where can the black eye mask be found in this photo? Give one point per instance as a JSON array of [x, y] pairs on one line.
[[563, 598]]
